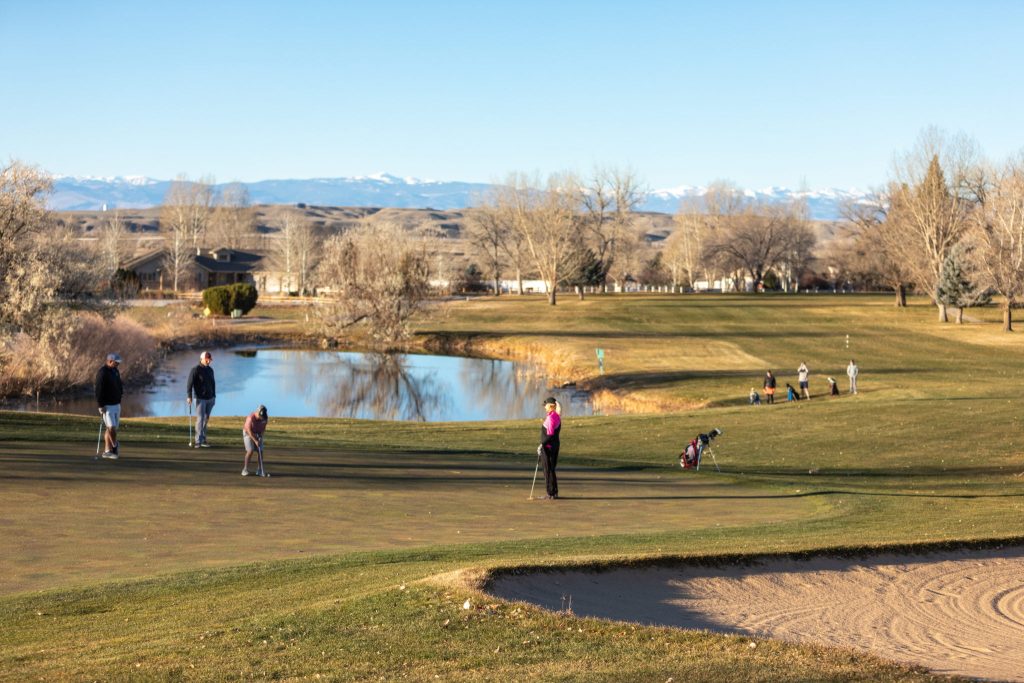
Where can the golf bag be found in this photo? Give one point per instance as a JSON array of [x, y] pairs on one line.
[[691, 455]]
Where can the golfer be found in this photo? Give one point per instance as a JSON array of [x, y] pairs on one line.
[[109, 390], [852, 371], [252, 437], [203, 386], [802, 374], [549, 446]]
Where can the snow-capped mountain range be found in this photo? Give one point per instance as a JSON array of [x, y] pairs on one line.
[[382, 190]]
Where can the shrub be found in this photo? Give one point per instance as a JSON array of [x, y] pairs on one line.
[[218, 300], [70, 356], [243, 297], [226, 298]]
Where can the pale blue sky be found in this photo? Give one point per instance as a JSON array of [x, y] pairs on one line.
[[763, 93]]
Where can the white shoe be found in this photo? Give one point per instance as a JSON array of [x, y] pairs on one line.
[[110, 455], [264, 474], [245, 472]]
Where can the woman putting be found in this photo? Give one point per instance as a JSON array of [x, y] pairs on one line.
[[549, 446], [252, 437]]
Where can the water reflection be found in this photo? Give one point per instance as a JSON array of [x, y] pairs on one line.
[[382, 386], [308, 383]]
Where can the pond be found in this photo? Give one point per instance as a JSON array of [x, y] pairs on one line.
[[309, 383]]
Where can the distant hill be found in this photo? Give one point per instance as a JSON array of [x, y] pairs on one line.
[[383, 191]]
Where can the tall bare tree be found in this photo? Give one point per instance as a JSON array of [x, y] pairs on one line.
[[487, 232], [184, 218], [550, 224], [869, 248], [930, 203], [113, 243], [608, 199], [999, 236], [296, 251], [685, 246], [233, 217]]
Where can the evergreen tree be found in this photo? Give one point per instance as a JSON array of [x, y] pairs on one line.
[[956, 289]]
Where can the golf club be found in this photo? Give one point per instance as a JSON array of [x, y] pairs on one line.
[[99, 437], [190, 424], [535, 470], [262, 472]]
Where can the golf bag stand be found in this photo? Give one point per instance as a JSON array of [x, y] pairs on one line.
[[694, 451]]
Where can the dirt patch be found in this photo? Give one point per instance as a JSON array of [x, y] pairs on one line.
[[956, 612]]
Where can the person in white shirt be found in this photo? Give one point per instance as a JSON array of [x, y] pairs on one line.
[[851, 372], [801, 374]]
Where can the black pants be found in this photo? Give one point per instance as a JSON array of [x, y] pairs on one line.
[[549, 460]]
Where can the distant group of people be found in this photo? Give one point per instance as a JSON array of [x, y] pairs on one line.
[[200, 390], [803, 380]]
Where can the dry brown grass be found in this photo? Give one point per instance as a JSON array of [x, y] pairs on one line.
[[70, 360]]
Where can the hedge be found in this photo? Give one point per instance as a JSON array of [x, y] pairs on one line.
[[226, 298]]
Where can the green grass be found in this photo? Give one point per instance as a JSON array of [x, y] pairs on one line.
[[168, 565]]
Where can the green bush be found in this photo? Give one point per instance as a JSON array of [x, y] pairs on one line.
[[226, 298], [243, 297], [218, 300]]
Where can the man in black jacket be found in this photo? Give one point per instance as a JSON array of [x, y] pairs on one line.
[[108, 395], [202, 385]]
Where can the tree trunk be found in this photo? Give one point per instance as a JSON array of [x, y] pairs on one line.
[[901, 296], [579, 290], [552, 299], [519, 281], [960, 316], [497, 286], [1007, 317], [943, 315]]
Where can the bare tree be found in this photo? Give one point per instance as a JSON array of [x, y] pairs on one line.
[[233, 217], [685, 246], [869, 246], [930, 203], [25, 280], [608, 199], [113, 244], [44, 271], [378, 275], [999, 236], [761, 238], [296, 251], [185, 217], [550, 224], [487, 232]]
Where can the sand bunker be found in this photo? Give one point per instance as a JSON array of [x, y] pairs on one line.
[[954, 612]]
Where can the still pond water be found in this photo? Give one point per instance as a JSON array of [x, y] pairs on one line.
[[308, 383]]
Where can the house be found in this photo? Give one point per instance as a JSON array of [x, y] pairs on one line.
[[209, 268], [224, 267], [150, 268]]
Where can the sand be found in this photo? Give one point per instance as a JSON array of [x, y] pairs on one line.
[[952, 612]]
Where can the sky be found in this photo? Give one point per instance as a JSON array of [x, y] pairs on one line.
[[793, 94]]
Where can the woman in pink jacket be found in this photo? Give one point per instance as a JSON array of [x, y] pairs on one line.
[[549, 445]]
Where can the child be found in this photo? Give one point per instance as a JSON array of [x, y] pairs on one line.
[[755, 398], [252, 437]]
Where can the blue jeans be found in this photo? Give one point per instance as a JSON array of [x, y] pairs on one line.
[[204, 406]]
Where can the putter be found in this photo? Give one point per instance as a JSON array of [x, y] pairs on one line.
[[190, 424], [99, 437], [262, 472], [535, 470]]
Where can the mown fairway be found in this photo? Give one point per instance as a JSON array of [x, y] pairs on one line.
[[928, 452]]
